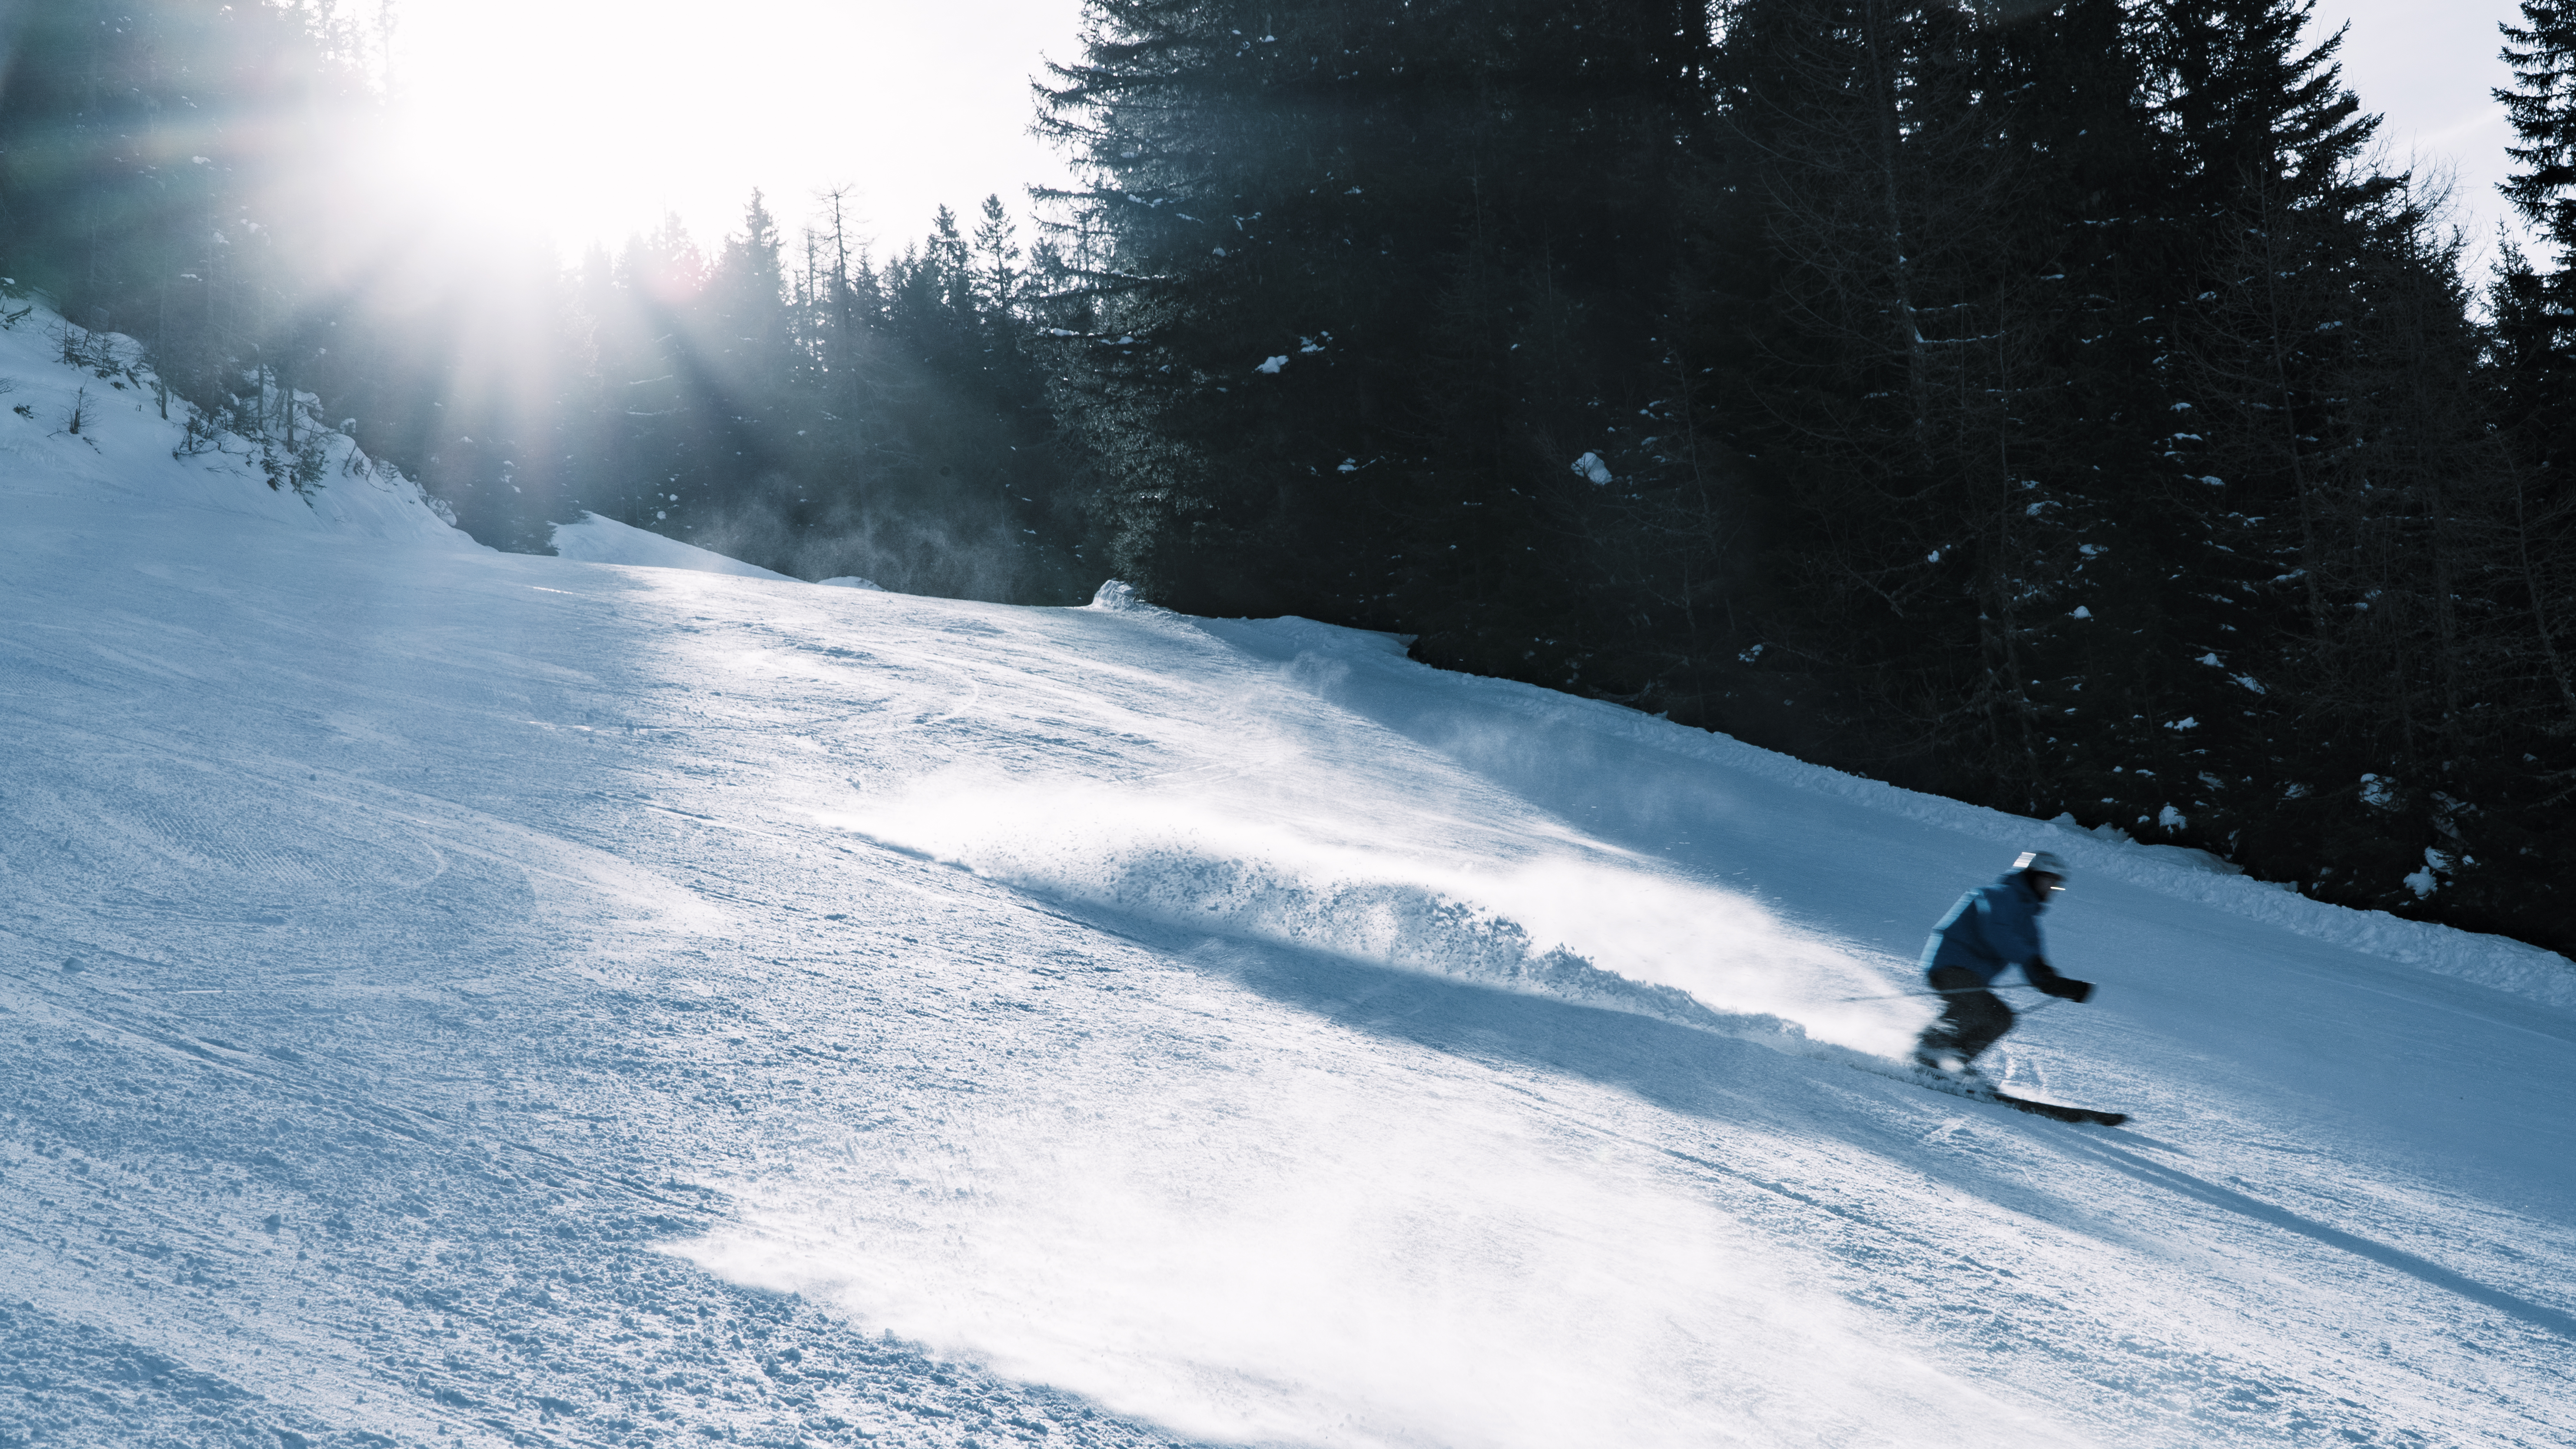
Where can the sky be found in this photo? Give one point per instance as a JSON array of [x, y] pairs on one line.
[[2428, 67], [586, 119]]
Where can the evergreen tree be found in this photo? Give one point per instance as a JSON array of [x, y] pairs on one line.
[[2265, 215], [2533, 346], [1334, 288], [2116, 435], [1897, 383], [2534, 303], [804, 410]]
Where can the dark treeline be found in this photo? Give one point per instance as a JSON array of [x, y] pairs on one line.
[[792, 404], [2060, 406]]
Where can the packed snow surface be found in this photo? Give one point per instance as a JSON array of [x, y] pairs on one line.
[[479, 998], [595, 539]]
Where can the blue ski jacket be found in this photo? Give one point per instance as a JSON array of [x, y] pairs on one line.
[[1992, 927]]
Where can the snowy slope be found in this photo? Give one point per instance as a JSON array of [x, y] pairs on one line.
[[593, 539], [482, 998], [121, 459]]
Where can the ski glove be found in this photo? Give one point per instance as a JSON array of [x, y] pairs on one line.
[[2045, 977]]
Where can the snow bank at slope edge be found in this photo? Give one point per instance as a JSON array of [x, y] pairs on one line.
[[595, 539], [93, 428]]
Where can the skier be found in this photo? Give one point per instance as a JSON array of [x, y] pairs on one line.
[[1991, 928]]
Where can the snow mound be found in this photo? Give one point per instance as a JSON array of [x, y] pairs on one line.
[[851, 581], [595, 539], [1210, 875], [83, 418], [1119, 597]]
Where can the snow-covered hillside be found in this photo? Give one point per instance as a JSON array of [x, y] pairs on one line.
[[489, 999]]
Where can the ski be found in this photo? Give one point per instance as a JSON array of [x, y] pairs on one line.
[[2060, 1111], [1953, 1087]]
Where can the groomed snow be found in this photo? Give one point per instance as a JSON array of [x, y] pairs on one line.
[[594, 539], [464, 997]]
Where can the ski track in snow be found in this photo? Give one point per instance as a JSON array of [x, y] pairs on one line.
[[459, 997]]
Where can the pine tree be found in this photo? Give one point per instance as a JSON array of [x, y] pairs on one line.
[[1331, 290], [1902, 380], [2064, 344], [2535, 303], [2533, 342], [747, 292]]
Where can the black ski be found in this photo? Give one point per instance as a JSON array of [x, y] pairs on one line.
[[1953, 1087], [2060, 1111]]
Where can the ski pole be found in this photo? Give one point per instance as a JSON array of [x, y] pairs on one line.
[[1962, 991]]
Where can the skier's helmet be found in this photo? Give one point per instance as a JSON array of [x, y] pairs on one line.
[[2040, 862]]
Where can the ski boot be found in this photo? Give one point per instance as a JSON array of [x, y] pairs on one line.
[[1942, 1066]]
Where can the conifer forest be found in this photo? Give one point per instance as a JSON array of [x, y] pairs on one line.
[[2065, 407]]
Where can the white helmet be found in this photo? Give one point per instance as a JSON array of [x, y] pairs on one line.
[[2040, 862]]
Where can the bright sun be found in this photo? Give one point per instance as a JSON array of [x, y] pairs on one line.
[[583, 120]]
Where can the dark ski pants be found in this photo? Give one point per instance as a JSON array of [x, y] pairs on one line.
[[1972, 1018]]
